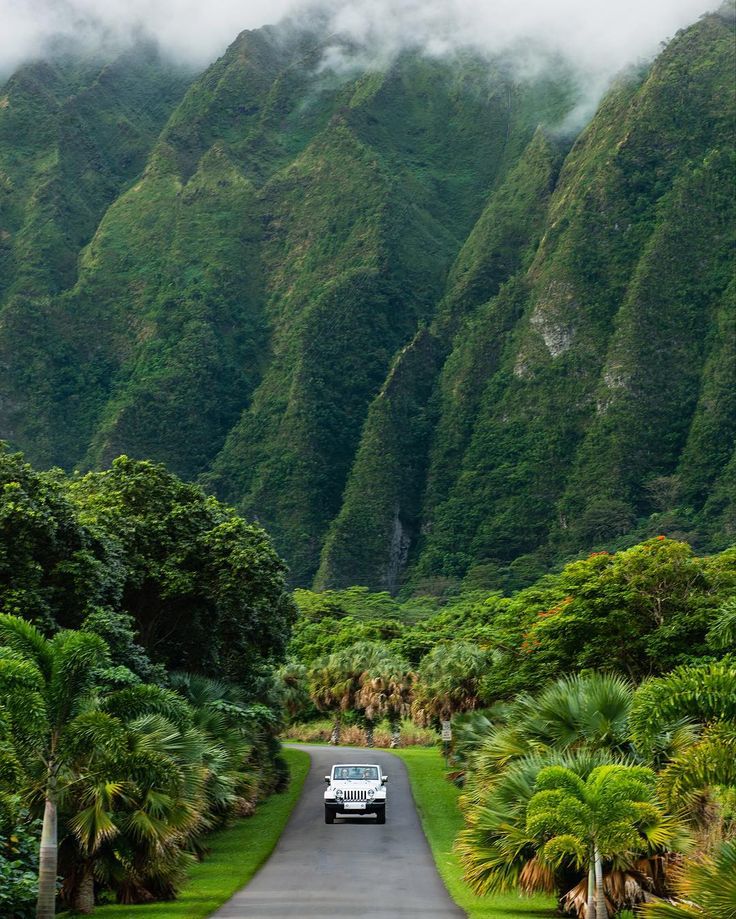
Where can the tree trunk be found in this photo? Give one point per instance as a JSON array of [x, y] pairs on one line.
[[48, 856], [369, 733], [600, 898], [335, 735], [84, 900], [591, 889], [395, 725]]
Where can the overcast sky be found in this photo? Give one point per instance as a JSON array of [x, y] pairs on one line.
[[599, 37]]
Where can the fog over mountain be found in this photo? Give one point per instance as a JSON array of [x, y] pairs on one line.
[[598, 38]]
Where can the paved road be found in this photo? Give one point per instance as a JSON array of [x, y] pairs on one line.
[[353, 869]]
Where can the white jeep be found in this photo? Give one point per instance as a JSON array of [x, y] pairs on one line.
[[355, 788]]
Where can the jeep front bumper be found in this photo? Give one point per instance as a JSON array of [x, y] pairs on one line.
[[369, 807]]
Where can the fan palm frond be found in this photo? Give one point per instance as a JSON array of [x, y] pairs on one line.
[[705, 889]]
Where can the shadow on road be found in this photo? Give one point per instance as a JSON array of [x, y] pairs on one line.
[[367, 820]]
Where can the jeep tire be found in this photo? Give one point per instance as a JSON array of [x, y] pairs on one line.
[[381, 814], [329, 815]]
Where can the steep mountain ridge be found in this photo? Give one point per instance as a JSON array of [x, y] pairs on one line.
[[390, 314], [361, 246], [380, 517], [624, 282], [72, 134]]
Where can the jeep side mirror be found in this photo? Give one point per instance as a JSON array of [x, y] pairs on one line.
[[327, 779], [384, 779]]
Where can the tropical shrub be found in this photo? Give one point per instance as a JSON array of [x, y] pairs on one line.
[[702, 696], [19, 836], [705, 888]]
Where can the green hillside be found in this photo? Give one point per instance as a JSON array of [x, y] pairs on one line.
[[397, 316]]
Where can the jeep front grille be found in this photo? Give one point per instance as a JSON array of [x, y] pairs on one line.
[[354, 795]]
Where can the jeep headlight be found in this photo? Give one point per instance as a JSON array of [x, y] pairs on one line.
[[371, 793], [339, 794]]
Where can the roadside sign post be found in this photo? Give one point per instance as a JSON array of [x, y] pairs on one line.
[[446, 739]]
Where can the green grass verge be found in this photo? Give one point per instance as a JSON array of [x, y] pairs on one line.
[[436, 801], [236, 854]]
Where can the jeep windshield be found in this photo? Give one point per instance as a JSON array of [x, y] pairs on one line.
[[356, 773]]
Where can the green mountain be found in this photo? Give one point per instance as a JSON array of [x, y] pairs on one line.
[[395, 315]]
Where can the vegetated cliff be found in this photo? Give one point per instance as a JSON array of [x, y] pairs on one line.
[[394, 315]]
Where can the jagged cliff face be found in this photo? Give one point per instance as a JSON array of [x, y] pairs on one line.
[[392, 315]]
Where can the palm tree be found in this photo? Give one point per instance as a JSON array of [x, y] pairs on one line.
[[385, 692], [137, 801], [221, 715], [57, 677], [612, 815], [335, 680], [705, 888], [588, 710], [448, 681], [293, 685], [153, 771], [330, 688], [700, 692], [163, 811], [496, 849], [579, 722], [471, 731]]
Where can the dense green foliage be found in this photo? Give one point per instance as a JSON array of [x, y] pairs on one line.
[[134, 549], [438, 347], [639, 612], [394, 314], [123, 594], [19, 836], [570, 789]]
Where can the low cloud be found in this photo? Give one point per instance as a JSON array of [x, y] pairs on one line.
[[596, 38], [194, 31], [591, 33]]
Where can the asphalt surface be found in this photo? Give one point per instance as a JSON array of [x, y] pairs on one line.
[[353, 868]]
